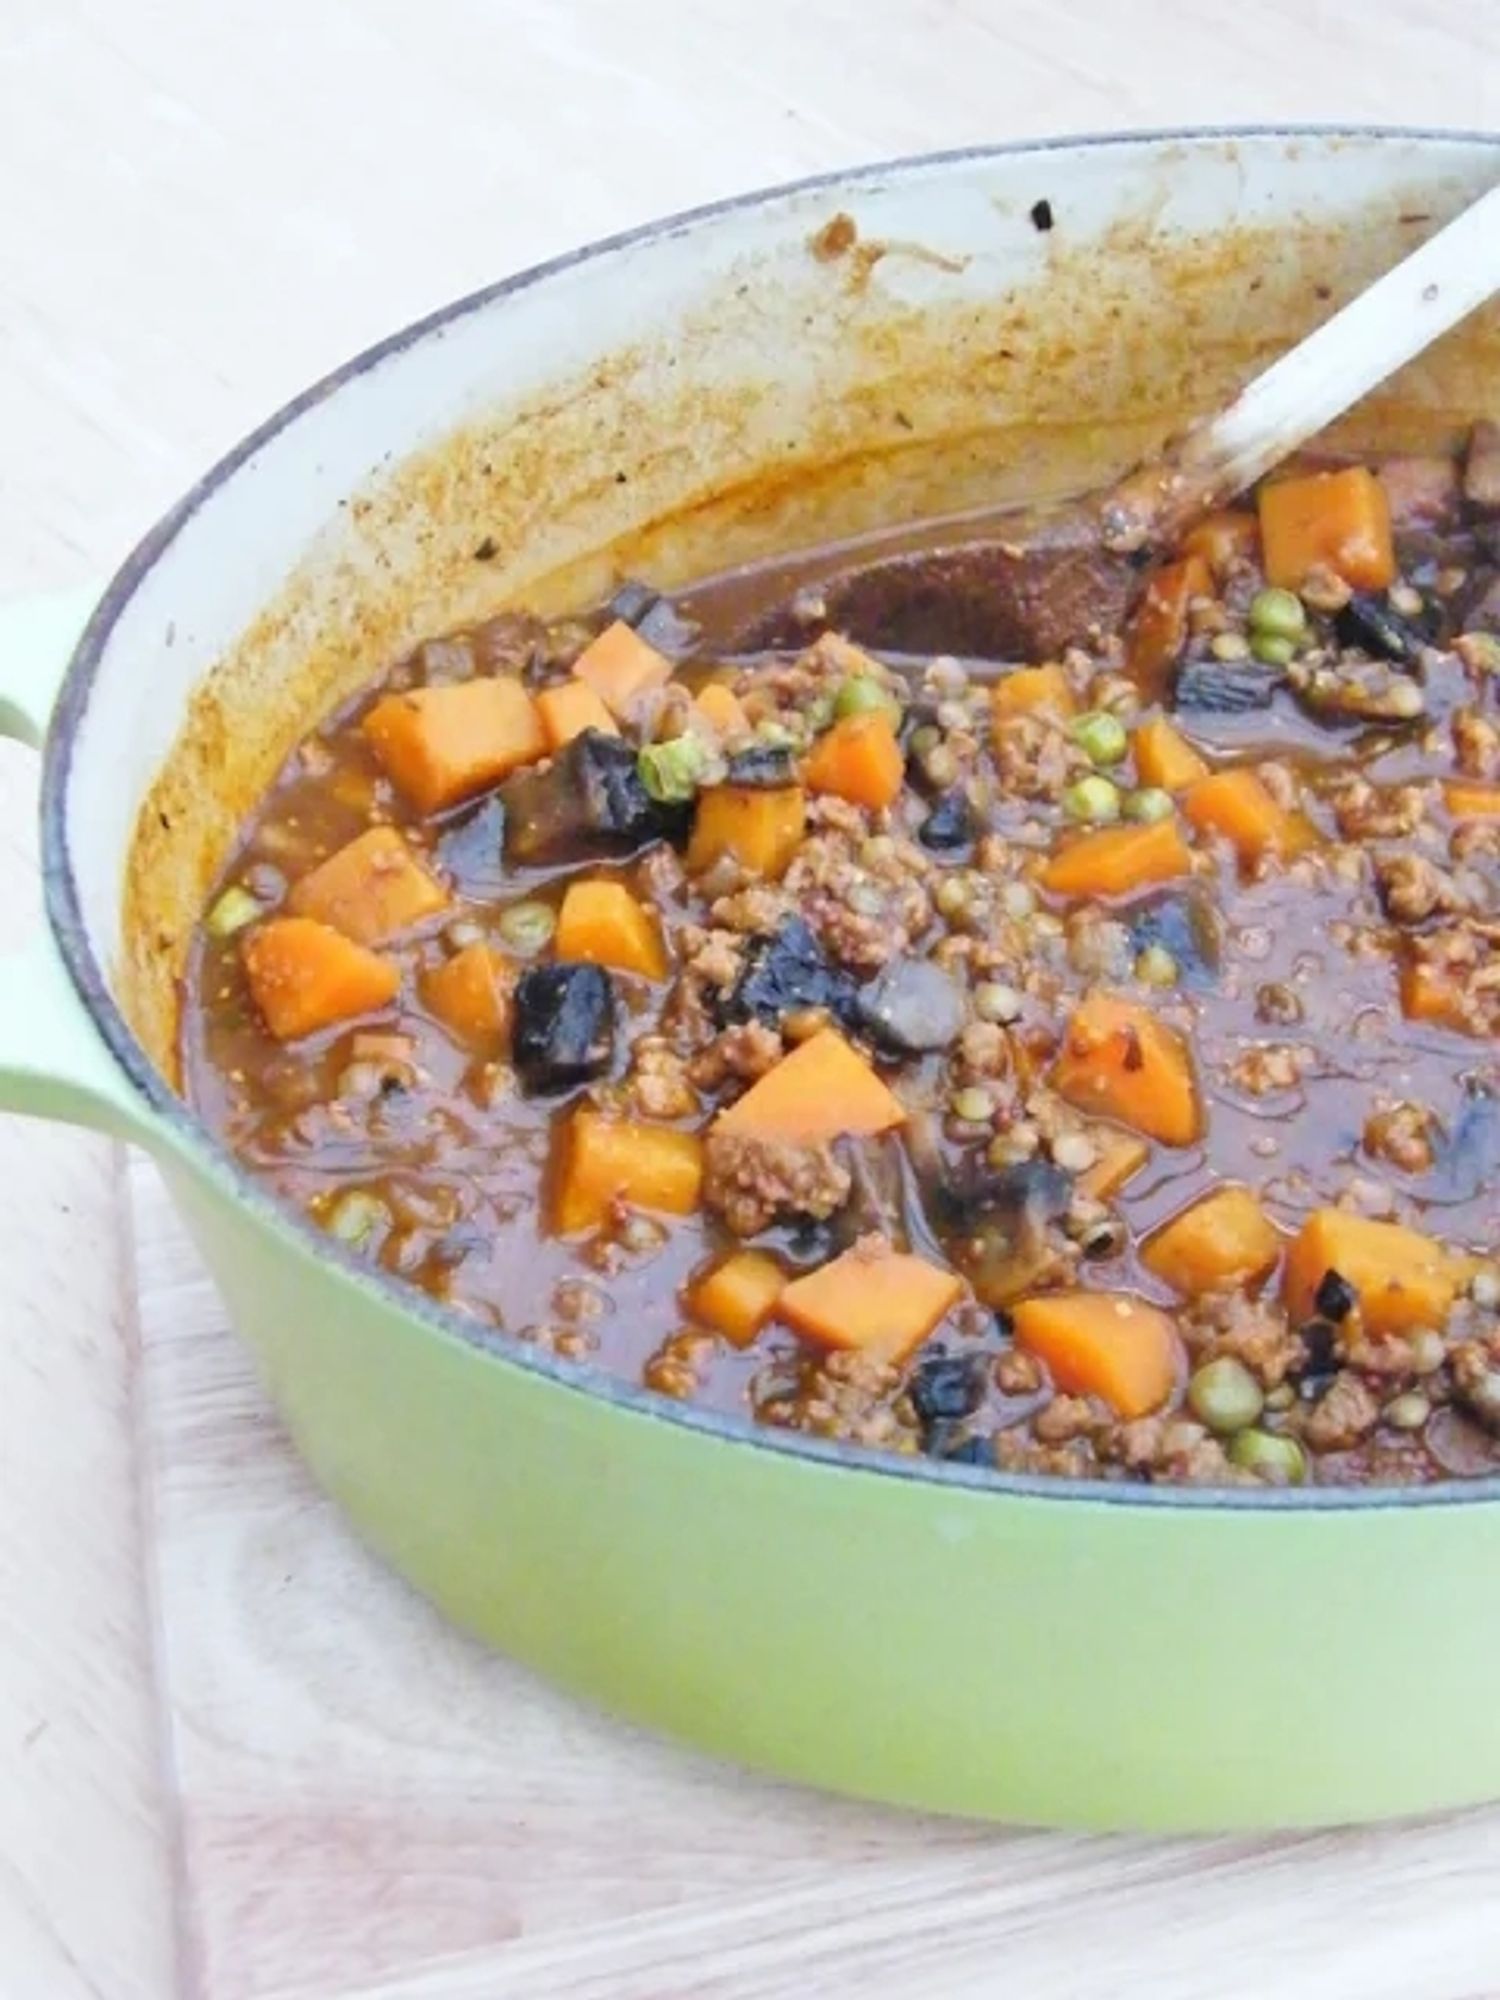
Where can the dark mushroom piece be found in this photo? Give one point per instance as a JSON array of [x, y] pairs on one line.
[[1187, 928], [998, 1225], [588, 801], [786, 973], [912, 1008], [564, 1029], [1368, 623], [1217, 687], [951, 825]]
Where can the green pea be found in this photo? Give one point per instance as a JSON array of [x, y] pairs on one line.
[[527, 927], [1224, 1395], [234, 909], [862, 694], [670, 771], [1148, 804], [1101, 736], [1094, 800], [1277, 614], [1271, 649], [1278, 1460], [356, 1215]]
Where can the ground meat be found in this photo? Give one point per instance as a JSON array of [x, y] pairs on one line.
[[660, 873], [850, 1397], [1412, 889], [1476, 744], [1035, 759], [1017, 1373], [750, 1182], [1252, 1331], [1342, 1415], [983, 1054], [678, 1366], [714, 957], [861, 917], [1168, 1447], [1018, 1451], [1381, 812], [1069, 1417], [712, 962], [826, 813], [1463, 962], [747, 1050], [1404, 1134], [1266, 1067], [757, 911], [658, 1083]]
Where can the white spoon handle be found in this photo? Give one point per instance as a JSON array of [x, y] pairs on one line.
[[1353, 352]]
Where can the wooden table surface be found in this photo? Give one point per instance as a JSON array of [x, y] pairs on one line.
[[235, 1758]]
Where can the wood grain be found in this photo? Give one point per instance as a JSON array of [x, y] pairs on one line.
[[200, 209]]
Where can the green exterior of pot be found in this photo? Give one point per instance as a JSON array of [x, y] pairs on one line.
[[1095, 1663]]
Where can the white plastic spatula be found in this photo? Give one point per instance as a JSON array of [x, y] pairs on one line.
[[1026, 583], [1361, 346]]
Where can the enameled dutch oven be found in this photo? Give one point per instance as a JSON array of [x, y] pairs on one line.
[[822, 358]]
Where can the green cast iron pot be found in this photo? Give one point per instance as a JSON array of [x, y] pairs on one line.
[[934, 1636]]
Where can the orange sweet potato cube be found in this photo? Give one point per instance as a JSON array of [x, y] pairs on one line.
[[371, 890], [305, 975], [442, 745]]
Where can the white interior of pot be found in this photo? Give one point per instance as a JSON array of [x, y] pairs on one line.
[[707, 394]]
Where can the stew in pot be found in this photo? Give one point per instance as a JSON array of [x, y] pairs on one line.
[[1085, 1065]]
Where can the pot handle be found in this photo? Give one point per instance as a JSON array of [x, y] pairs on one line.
[[53, 1062]]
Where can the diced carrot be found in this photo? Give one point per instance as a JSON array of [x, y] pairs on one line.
[[884, 1303], [1120, 1156], [605, 1160], [1403, 1279], [305, 975], [567, 710], [620, 666], [1471, 801], [1105, 1344], [1118, 860], [1224, 540], [1159, 627], [601, 922], [1118, 1061], [821, 1090], [738, 1295], [1238, 806], [858, 759], [1043, 690], [1164, 757], [723, 710], [1334, 520], [370, 889], [761, 830], [471, 995], [1224, 1241]]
